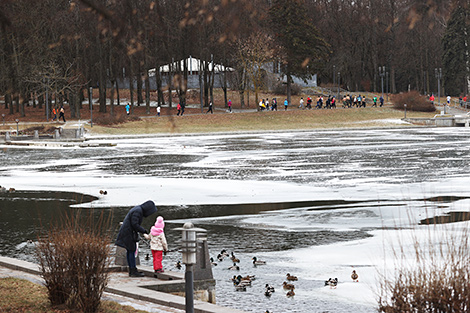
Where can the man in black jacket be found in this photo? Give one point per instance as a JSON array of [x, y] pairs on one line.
[[129, 233]]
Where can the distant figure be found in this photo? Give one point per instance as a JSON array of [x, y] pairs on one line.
[[128, 108], [301, 103], [286, 103], [54, 114], [178, 108], [448, 100], [62, 113], [210, 108], [381, 101], [375, 101], [129, 233], [158, 110], [182, 109], [230, 106], [431, 98]]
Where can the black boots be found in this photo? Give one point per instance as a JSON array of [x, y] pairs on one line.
[[133, 272]]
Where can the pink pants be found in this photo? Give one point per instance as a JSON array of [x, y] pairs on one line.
[[157, 259]]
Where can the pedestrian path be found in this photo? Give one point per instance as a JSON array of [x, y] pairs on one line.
[[124, 290]]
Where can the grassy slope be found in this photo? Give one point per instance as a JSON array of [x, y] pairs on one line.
[[251, 121]]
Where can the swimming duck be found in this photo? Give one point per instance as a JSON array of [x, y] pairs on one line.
[[212, 262], [267, 293], [258, 262], [11, 189], [224, 253], [220, 257], [249, 277], [269, 288], [178, 265], [332, 283], [234, 259], [287, 286], [291, 278], [354, 276], [290, 293], [103, 192], [234, 267], [239, 282]]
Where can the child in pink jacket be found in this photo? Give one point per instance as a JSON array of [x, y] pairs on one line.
[[158, 244]]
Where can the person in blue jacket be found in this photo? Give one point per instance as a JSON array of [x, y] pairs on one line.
[[286, 103], [129, 233]]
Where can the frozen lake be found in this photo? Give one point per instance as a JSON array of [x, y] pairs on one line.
[[315, 204]]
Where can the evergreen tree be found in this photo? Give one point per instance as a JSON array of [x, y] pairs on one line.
[[455, 53], [300, 45]]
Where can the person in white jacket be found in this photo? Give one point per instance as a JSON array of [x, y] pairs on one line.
[[158, 244]]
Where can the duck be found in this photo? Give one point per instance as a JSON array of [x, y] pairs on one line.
[[268, 293], [103, 192], [239, 282], [290, 293], [11, 190], [354, 276], [234, 267], [212, 262], [178, 265], [331, 282], [291, 277], [249, 277], [234, 259], [3, 189], [220, 257], [269, 288], [258, 262], [224, 253], [287, 286]]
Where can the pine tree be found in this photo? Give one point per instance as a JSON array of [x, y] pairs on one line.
[[456, 53], [300, 45]]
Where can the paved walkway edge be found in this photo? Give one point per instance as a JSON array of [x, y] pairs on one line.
[[135, 291]]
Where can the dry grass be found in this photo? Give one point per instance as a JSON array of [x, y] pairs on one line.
[[254, 121], [432, 277], [20, 295]]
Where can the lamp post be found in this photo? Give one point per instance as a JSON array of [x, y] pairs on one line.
[[339, 83], [405, 109], [90, 99], [387, 89], [17, 131], [189, 241], [334, 72], [438, 73], [382, 74]]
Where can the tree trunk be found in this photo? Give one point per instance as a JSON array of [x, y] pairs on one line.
[[111, 99], [118, 98], [139, 87], [147, 91]]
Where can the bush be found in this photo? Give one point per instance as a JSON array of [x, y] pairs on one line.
[[281, 89], [73, 261], [436, 281], [414, 102], [108, 119]]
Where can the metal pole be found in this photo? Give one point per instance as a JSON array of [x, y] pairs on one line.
[[188, 277], [90, 100], [387, 90], [47, 100], [339, 82]]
